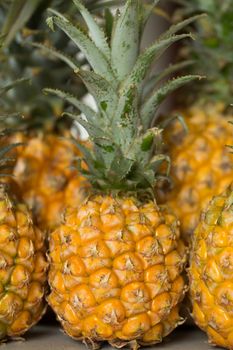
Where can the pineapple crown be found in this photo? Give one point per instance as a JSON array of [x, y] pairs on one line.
[[28, 51], [126, 153], [212, 52], [22, 23]]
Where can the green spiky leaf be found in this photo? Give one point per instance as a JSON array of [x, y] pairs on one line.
[[126, 118], [146, 59], [96, 33], [102, 90], [153, 102], [127, 152], [157, 77], [95, 57], [125, 39], [89, 112], [92, 128], [178, 26]]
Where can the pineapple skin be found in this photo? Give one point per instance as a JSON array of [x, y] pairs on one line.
[[43, 170], [116, 272], [23, 268], [211, 271], [201, 163]]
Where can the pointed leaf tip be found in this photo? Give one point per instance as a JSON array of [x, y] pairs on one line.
[[146, 58], [149, 108], [95, 57], [175, 28], [96, 32]]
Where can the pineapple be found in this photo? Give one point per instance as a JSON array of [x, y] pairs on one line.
[[23, 265], [43, 165], [43, 170], [211, 270], [23, 268], [201, 165], [116, 263]]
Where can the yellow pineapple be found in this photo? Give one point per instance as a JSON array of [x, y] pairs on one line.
[[116, 263], [115, 273], [43, 171], [201, 165], [23, 265], [211, 271]]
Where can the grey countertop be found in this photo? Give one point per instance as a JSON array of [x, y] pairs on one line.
[[50, 337]]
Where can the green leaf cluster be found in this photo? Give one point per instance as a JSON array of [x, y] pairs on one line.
[[126, 153], [29, 51]]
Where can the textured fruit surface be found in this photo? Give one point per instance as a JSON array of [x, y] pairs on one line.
[[201, 163], [116, 272], [211, 271], [43, 170], [23, 268]]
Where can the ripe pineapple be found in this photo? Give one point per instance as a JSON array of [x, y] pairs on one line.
[[116, 263], [211, 271], [201, 165], [43, 170], [43, 166], [23, 266]]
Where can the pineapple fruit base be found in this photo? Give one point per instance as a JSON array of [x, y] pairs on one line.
[[116, 272]]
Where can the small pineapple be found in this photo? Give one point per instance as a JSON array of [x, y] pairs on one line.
[[23, 265], [116, 263], [201, 165], [211, 271]]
